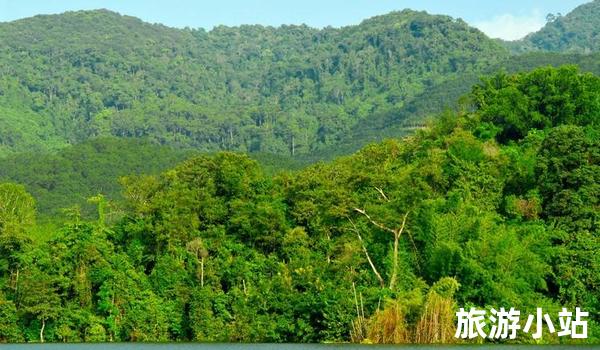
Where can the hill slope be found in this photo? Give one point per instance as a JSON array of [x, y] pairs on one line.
[[576, 32], [73, 174], [497, 205], [287, 90], [435, 99]]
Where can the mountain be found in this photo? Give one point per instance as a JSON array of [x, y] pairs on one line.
[[72, 83], [289, 90], [578, 31], [492, 202], [492, 205], [292, 90]]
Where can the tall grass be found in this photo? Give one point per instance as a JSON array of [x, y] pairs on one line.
[[431, 320], [437, 321], [389, 326]]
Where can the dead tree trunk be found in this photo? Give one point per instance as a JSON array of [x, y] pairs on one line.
[[396, 233], [42, 330], [202, 272], [364, 248]]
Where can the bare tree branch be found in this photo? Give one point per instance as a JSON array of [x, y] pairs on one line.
[[403, 224], [382, 194], [364, 248], [383, 227], [397, 233]]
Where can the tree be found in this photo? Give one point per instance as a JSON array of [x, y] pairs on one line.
[[9, 329], [17, 209], [197, 249], [540, 99], [396, 233], [39, 298]]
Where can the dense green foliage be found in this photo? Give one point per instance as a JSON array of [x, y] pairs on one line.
[[71, 174], [483, 207], [493, 203], [417, 111], [290, 90], [293, 91], [67, 178], [574, 32]]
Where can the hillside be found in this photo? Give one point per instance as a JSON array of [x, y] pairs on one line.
[[576, 32], [429, 104], [70, 176], [490, 206], [293, 95], [233, 185], [290, 90]]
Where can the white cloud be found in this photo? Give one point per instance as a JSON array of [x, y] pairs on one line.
[[511, 27]]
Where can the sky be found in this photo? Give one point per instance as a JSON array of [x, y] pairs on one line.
[[506, 19]]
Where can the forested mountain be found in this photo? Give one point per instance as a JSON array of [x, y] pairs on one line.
[[288, 90], [493, 205], [291, 90], [128, 211], [290, 95], [576, 32]]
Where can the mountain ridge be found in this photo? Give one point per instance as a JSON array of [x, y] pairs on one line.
[[287, 90]]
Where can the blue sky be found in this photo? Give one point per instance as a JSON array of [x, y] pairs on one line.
[[508, 19]]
